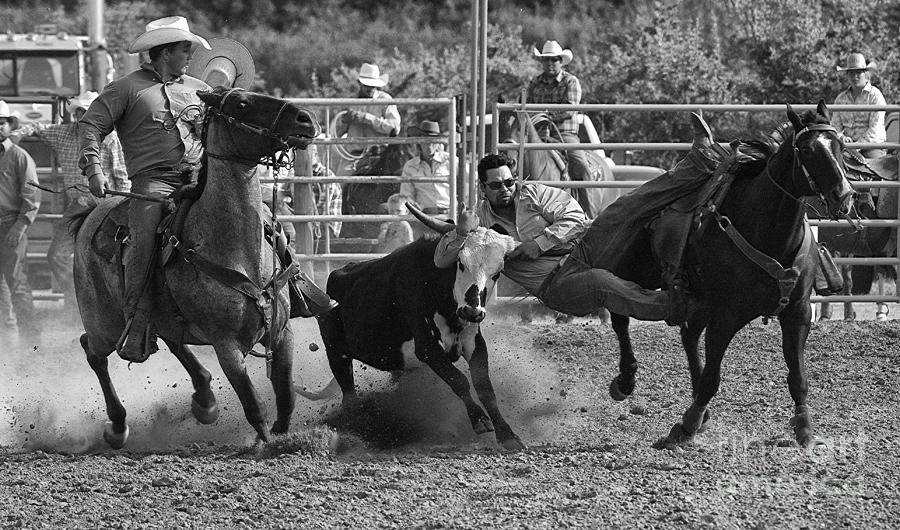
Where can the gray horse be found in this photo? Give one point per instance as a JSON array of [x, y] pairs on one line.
[[216, 289]]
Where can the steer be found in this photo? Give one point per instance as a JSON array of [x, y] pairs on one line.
[[402, 311]]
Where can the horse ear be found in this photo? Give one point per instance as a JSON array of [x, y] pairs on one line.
[[823, 110], [795, 120]]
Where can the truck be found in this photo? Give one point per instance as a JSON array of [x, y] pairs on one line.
[[39, 71]]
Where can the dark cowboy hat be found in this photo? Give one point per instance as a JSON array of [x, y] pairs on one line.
[[228, 63], [425, 128]]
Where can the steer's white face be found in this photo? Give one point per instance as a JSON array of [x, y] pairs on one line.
[[478, 266]]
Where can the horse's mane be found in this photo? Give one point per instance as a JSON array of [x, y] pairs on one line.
[[759, 150]]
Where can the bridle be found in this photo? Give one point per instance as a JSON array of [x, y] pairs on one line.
[[282, 141], [797, 161]]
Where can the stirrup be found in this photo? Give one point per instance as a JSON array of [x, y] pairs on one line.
[[137, 342]]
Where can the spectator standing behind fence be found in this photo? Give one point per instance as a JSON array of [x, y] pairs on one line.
[[19, 202], [327, 195], [431, 161], [556, 86], [395, 234], [63, 139], [860, 126], [367, 121]]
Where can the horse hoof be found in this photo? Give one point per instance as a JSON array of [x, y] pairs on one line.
[[677, 436], [482, 426], [116, 440], [616, 392], [512, 444], [205, 415], [812, 442]]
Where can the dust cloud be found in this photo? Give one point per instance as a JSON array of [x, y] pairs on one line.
[[51, 400]]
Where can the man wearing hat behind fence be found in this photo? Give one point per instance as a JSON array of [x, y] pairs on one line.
[[556, 86], [19, 202], [431, 161], [860, 126], [368, 121], [153, 110], [63, 139]]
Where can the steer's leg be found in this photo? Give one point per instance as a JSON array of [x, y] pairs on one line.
[[478, 367]]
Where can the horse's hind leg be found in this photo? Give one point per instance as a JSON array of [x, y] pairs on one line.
[[203, 401], [116, 430], [282, 380], [622, 385], [231, 359]]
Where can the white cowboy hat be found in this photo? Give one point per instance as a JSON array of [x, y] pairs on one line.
[[82, 101], [227, 63], [855, 61], [553, 49], [164, 31], [5, 113], [369, 75]]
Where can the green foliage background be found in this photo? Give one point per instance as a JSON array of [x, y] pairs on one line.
[[643, 51]]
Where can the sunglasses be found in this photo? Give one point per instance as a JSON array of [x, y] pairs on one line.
[[495, 186]]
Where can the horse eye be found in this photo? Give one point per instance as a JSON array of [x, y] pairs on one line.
[[494, 277], [242, 105], [462, 267]]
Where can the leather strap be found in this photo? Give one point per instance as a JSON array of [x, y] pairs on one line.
[[786, 278]]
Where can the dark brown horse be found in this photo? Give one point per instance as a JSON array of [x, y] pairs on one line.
[[224, 227], [751, 258]]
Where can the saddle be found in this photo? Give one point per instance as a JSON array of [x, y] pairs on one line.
[[862, 168]]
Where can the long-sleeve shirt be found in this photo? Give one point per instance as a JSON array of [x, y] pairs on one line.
[[561, 88], [860, 126], [19, 201], [63, 139], [428, 194], [548, 216], [376, 121], [151, 117]]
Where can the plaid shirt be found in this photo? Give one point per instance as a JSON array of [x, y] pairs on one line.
[[63, 138], [328, 199], [562, 88]]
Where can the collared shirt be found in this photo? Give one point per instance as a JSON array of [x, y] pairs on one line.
[[548, 216], [860, 126], [63, 139], [329, 199], [428, 194], [19, 201], [151, 118], [561, 88], [378, 120]]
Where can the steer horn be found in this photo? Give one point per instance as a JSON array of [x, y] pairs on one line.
[[439, 226]]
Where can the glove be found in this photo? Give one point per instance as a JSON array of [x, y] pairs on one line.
[[527, 251], [97, 181], [14, 235]]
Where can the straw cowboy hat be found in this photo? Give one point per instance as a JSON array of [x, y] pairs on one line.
[[82, 101], [553, 49], [369, 75], [855, 61], [5, 113], [165, 31], [227, 63], [425, 128]]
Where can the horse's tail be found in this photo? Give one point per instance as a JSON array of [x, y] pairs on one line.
[[77, 219]]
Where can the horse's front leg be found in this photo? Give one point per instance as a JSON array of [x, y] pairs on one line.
[[622, 385], [795, 327], [282, 380], [203, 401], [97, 351], [231, 359], [718, 336]]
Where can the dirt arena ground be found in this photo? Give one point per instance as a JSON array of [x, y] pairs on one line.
[[413, 461]]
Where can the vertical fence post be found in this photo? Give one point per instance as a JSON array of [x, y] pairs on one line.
[[304, 204]]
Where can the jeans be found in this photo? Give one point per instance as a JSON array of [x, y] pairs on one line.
[[14, 268]]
